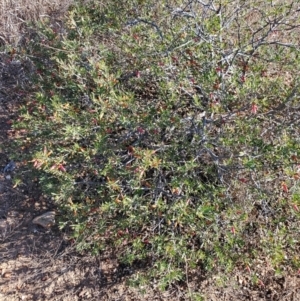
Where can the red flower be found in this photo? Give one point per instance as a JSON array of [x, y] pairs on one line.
[[140, 130], [254, 108], [61, 168], [284, 187]]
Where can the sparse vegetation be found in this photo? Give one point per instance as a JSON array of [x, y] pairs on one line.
[[168, 133]]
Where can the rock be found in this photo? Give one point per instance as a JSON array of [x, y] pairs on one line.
[[7, 275], [45, 220], [9, 167]]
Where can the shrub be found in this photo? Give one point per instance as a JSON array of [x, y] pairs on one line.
[[166, 131]]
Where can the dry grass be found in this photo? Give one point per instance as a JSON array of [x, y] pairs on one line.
[[14, 14]]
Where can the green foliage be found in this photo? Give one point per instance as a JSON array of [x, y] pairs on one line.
[[161, 138]]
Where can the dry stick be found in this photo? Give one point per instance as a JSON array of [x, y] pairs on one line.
[[187, 277], [50, 47]]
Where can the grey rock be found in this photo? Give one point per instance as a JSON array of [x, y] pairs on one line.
[[45, 220], [10, 166]]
